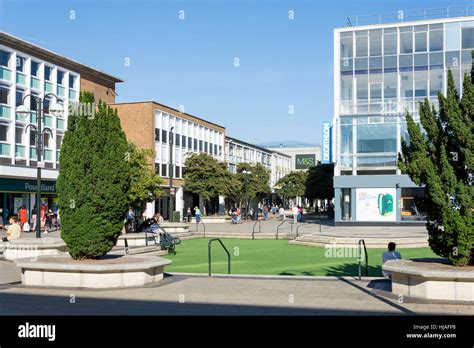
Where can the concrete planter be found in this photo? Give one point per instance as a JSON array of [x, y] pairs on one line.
[[32, 247], [431, 279], [109, 272]]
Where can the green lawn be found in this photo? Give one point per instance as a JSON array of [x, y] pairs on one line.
[[275, 257]]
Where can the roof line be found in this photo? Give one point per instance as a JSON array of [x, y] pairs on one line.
[[28, 45], [169, 107]]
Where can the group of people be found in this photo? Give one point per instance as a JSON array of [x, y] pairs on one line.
[[48, 219], [137, 223]]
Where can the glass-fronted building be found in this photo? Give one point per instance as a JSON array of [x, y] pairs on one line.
[[380, 72]]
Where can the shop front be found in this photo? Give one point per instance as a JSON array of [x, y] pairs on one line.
[[15, 193], [377, 200]]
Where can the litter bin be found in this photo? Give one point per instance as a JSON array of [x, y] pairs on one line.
[[176, 217]]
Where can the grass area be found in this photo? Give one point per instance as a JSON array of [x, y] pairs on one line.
[[276, 257]]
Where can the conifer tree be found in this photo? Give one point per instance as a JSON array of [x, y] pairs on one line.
[[93, 181], [439, 154]]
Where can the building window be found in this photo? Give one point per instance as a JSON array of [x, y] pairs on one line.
[[200, 145], [32, 138], [59, 141], [375, 37], [421, 42], [164, 169], [220, 150], [19, 136], [205, 146], [72, 81], [19, 97], [178, 138], [4, 58], [183, 141], [183, 171], [362, 45], [35, 68], [406, 42], [190, 143], [347, 47], [47, 72], [60, 77], [177, 172], [436, 40], [4, 92], [453, 37], [195, 147], [164, 136], [3, 132], [390, 41], [157, 134], [215, 149], [157, 168], [467, 38], [20, 63]]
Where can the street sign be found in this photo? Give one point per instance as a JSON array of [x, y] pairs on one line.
[[40, 165], [173, 191]]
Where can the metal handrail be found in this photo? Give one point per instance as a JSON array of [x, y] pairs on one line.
[[298, 225], [278, 227], [359, 258], [209, 254], [259, 228], [197, 227]]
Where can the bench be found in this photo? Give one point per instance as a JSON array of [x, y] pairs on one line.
[[168, 242]]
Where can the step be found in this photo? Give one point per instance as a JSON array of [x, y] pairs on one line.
[[141, 250]]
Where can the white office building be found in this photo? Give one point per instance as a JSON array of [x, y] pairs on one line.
[[381, 71]]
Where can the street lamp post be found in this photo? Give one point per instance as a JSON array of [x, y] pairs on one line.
[[171, 173], [247, 174], [24, 111]]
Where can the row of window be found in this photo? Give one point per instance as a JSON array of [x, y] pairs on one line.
[[188, 142], [20, 137], [19, 94], [162, 169], [406, 62], [421, 38], [248, 154], [390, 86], [5, 58]]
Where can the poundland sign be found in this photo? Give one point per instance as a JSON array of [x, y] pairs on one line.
[[25, 186], [305, 161], [326, 155]]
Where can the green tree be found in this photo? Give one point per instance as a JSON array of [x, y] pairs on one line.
[[256, 184], [93, 181], [319, 183], [292, 185], [206, 176], [145, 183], [440, 156]]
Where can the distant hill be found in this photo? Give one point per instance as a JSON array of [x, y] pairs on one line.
[[287, 143]]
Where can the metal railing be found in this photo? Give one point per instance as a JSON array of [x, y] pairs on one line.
[[209, 254], [278, 228], [411, 15], [359, 259], [203, 224], [259, 228]]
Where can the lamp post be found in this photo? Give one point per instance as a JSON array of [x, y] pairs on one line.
[[55, 109], [247, 174], [171, 173]]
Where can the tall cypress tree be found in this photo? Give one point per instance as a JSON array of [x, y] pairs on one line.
[[440, 156], [93, 181]]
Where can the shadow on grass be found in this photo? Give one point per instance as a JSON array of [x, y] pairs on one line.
[[345, 269]]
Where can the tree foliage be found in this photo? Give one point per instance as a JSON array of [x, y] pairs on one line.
[[256, 184], [93, 181], [292, 185], [319, 182], [206, 176], [440, 156], [145, 183]]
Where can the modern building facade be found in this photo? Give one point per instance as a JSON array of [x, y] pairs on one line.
[[28, 69], [380, 72], [149, 125], [281, 166]]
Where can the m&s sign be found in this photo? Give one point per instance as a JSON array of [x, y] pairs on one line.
[[305, 161]]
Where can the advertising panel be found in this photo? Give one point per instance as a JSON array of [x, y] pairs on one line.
[[326, 151], [376, 204], [305, 161]]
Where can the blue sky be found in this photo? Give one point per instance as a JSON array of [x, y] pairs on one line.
[[283, 63]]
